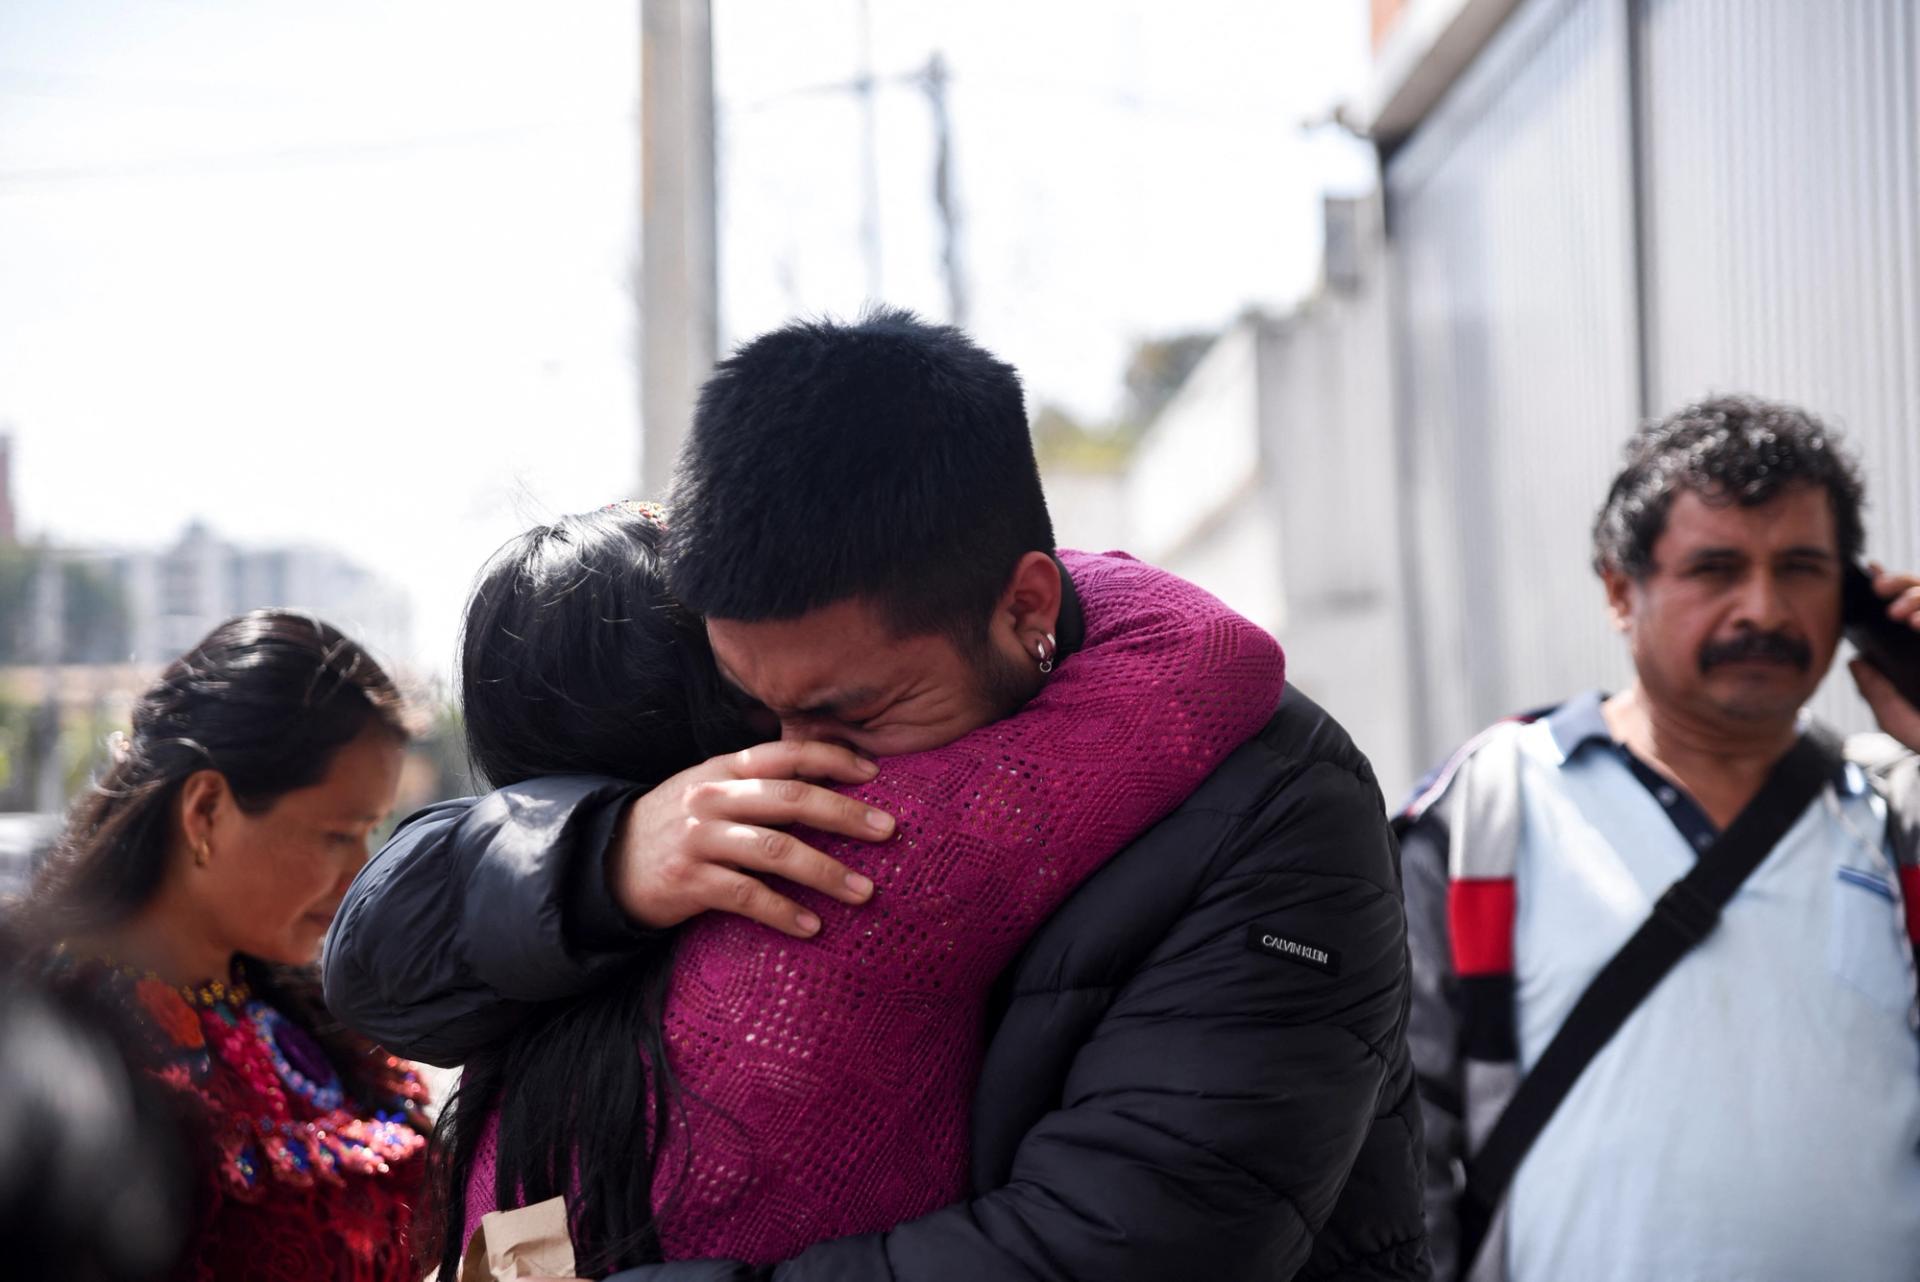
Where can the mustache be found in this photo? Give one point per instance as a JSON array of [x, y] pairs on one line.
[[1774, 647]]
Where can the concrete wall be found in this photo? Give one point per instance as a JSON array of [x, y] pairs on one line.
[[1269, 480], [1332, 460]]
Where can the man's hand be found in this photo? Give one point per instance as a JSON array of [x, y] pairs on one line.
[[701, 840], [1896, 716]]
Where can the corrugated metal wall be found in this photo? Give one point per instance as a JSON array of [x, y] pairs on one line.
[[1783, 229], [1327, 414], [1511, 217], [1554, 271]]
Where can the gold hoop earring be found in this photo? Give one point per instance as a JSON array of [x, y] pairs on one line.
[[201, 854]]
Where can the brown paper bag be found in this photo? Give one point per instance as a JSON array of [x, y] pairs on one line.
[[530, 1242]]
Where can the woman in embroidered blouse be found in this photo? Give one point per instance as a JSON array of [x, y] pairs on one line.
[[193, 886]]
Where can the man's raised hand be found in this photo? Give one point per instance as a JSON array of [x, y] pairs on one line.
[[1896, 716], [702, 840]]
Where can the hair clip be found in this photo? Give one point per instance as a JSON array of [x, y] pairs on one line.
[[646, 509]]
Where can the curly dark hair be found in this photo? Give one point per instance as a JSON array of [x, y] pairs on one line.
[[1729, 450]]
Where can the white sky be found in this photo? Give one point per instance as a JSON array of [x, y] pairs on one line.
[[358, 274]]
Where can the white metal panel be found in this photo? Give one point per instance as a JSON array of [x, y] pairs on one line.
[[1236, 557], [1202, 453], [1088, 507], [1783, 206], [1512, 215], [1327, 414]]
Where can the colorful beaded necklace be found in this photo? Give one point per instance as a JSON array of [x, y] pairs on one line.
[[313, 1079], [232, 990]]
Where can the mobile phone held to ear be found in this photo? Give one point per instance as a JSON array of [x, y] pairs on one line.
[[1892, 647]]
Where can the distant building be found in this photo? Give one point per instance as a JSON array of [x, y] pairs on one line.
[[176, 596], [9, 530], [143, 607], [83, 632], [98, 625]]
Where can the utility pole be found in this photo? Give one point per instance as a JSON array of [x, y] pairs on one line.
[[863, 85], [48, 633], [8, 533], [679, 278], [931, 80], [933, 83]]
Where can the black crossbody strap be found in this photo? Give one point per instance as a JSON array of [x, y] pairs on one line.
[[1684, 915]]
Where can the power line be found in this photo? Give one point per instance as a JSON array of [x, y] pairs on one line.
[[931, 80], [34, 82], [282, 157]]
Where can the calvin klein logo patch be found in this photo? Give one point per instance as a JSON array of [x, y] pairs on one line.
[[1265, 939]]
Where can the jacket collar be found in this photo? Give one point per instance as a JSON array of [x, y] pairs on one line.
[[1070, 631], [1578, 723]]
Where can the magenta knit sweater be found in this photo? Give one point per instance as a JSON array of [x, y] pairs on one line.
[[826, 1083]]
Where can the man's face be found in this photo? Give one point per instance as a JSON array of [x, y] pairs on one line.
[[1738, 619], [841, 673]]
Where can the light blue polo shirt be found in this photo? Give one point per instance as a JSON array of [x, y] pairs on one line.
[[1758, 1116]]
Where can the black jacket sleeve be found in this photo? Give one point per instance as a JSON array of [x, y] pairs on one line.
[[477, 910], [1225, 1084]]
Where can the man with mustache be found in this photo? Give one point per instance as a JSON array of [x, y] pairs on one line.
[[1752, 1112]]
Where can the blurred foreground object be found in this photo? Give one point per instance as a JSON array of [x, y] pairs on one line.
[[93, 1179]]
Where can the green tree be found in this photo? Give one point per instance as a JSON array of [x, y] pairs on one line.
[[18, 566], [444, 745], [15, 724], [1060, 438], [1157, 369], [94, 617], [83, 747]]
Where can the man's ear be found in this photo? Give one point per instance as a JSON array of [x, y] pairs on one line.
[[1620, 603], [1029, 609]]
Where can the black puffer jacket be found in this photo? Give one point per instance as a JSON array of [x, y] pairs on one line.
[[1198, 1067]]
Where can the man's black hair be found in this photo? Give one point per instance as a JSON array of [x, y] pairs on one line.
[[888, 459], [1728, 450]]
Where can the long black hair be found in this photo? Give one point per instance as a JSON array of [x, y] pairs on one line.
[[267, 699], [575, 660]]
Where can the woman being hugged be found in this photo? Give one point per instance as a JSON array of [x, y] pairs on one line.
[[749, 1098], [192, 887]]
